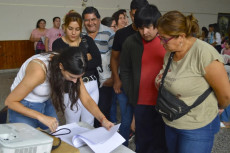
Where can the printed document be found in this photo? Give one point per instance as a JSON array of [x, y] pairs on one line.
[[99, 139]]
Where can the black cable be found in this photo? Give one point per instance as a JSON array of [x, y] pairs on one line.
[[69, 131], [52, 134]]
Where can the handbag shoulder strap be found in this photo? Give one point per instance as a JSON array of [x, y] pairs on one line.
[[166, 69], [201, 98]]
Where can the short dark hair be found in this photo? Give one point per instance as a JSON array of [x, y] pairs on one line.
[[136, 4], [146, 16], [205, 31], [211, 25], [117, 14], [107, 21], [90, 10], [38, 22], [56, 18], [214, 26]]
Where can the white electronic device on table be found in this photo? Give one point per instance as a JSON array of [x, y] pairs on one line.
[[22, 138]]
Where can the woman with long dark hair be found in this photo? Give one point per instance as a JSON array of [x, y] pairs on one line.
[[39, 85]]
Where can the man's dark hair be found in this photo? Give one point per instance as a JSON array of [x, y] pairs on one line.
[[56, 18], [146, 16], [205, 31], [136, 4], [107, 21], [90, 10], [211, 26], [214, 26]]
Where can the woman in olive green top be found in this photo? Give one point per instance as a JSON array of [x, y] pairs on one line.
[[195, 67]]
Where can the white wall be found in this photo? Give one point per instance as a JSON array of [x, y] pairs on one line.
[[18, 17]]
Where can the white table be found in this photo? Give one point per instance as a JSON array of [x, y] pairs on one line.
[[120, 149]]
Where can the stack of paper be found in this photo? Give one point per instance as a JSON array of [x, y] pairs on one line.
[[99, 140]]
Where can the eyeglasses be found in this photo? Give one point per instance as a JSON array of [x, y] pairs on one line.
[[165, 40]]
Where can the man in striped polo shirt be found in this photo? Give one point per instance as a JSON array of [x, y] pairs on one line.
[[103, 37]]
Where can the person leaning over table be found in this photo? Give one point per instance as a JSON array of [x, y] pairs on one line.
[[195, 67], [39, 87]]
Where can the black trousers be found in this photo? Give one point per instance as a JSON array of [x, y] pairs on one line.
[[104, 104], [150, 130], [218, 48]]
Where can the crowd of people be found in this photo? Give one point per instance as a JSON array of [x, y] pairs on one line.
[[90, 64], [220, 41]]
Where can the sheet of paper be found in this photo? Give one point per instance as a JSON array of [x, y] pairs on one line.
[[108, 146], [99, 135], [99, 140], [75, 129]]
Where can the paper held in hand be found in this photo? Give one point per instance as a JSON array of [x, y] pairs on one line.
[[99, 139]]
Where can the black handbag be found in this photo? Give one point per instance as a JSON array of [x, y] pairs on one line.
[[168, 105]]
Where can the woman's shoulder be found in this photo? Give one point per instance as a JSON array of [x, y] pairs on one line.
[[39, 61], [35, 31], [205, 51], [58, 40], [59, 45], [201, 46]]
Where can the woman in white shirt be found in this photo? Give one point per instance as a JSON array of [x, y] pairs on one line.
[[41, 78]]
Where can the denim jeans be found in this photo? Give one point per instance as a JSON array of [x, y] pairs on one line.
[[45, 108], [192, 141], [225, 116], [126, 114], [113, 110]]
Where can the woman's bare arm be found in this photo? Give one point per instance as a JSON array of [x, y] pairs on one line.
[[92, 107], [34, 76], [217, 78]]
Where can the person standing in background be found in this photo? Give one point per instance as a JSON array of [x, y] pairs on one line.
[[103, 37], [204, 34], [142, 58], [214, 37], [38, 36], [73, 38], [109, 22], [120, 18], [118, 92], [53, 33]]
